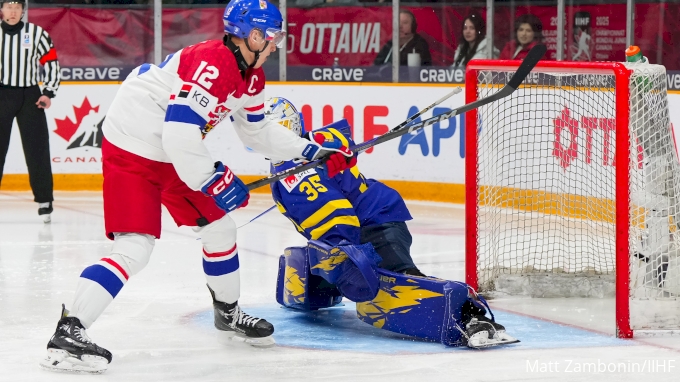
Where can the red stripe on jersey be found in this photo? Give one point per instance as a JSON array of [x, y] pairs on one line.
[[172, 96], [120, 269], [49, 56], [220, 254], [255, 108]]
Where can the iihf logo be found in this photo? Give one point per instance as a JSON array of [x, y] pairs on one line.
[[26, 40], [85, 131]]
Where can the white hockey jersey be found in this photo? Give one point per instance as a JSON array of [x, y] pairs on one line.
[[163, 112]]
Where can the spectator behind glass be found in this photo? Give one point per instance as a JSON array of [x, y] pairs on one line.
[[528, 33], [409, 42], [472, 42]]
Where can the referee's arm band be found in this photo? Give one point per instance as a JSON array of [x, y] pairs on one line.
[[49, 56]]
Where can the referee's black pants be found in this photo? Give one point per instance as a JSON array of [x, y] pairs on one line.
[[21, 103]]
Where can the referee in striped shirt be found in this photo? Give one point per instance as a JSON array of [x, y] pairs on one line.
[[24, 47]]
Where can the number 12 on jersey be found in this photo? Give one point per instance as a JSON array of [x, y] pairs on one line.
[[205, 74]]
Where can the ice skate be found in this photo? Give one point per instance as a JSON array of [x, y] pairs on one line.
[[71, 350], [45, 211], [239, 326], [413, 272], [480, 332]]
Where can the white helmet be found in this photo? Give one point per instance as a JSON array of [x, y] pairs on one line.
[[282, 111]]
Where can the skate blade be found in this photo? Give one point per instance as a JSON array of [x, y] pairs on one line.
[[481, 340], [259, 342], [63, 361]]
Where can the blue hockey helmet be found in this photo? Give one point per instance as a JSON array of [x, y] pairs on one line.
[[283, 112], [242, 16]]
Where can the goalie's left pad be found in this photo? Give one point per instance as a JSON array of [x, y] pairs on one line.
[[439, 310]]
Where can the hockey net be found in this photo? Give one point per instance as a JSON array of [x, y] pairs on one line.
[[571, 188]]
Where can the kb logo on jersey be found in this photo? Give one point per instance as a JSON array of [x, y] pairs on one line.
[[200, 99]]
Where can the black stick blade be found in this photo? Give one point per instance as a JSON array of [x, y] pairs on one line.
[[532, 58]]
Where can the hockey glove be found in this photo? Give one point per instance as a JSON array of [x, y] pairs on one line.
[[226, 188], [323, 143]]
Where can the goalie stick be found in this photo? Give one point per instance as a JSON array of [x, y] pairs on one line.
[[532, 58]]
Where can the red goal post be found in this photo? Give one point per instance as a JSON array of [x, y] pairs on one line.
[[543, 219]]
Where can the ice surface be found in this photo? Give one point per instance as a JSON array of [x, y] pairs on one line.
[[159, 328]]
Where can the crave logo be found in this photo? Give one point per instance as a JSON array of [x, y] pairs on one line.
[[85, 131]]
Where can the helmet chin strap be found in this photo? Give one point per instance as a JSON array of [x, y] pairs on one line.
[[240, 60], [257, 52]]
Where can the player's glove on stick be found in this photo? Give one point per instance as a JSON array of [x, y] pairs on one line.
[[324, 143], [226, 188]]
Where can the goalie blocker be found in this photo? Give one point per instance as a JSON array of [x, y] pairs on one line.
[[450, 312]]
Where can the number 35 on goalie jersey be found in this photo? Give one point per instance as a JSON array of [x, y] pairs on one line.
[[335, 209], [210, 88]]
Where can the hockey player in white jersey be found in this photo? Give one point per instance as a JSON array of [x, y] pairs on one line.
[[153, 154]]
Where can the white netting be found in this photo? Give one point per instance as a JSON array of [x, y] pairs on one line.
[[547, 183], [655, 269]]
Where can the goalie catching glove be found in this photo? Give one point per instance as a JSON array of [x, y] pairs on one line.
[[324, 143], [226, 188]]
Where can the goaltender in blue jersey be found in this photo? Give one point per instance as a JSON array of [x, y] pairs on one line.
[[359, 248], [347, 208]]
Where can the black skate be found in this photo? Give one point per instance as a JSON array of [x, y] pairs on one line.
[[413, 272], [240, 326], [45, 210], [481, 332], [71, 350]]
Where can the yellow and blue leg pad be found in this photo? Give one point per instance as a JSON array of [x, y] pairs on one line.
[[319, 275], [423, 307], [351, 268], [297, 288]]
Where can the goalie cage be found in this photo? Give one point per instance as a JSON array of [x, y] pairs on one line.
[[549, 210]]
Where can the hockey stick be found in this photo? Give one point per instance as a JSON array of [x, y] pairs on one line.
[[418, 114], [532, 58], [256, 217], [406, 122]]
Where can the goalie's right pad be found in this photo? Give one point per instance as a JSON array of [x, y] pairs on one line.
[[297, 288], [351, 268], [317, 276]]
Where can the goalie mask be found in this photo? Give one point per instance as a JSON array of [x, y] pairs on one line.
[[282, 111]]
